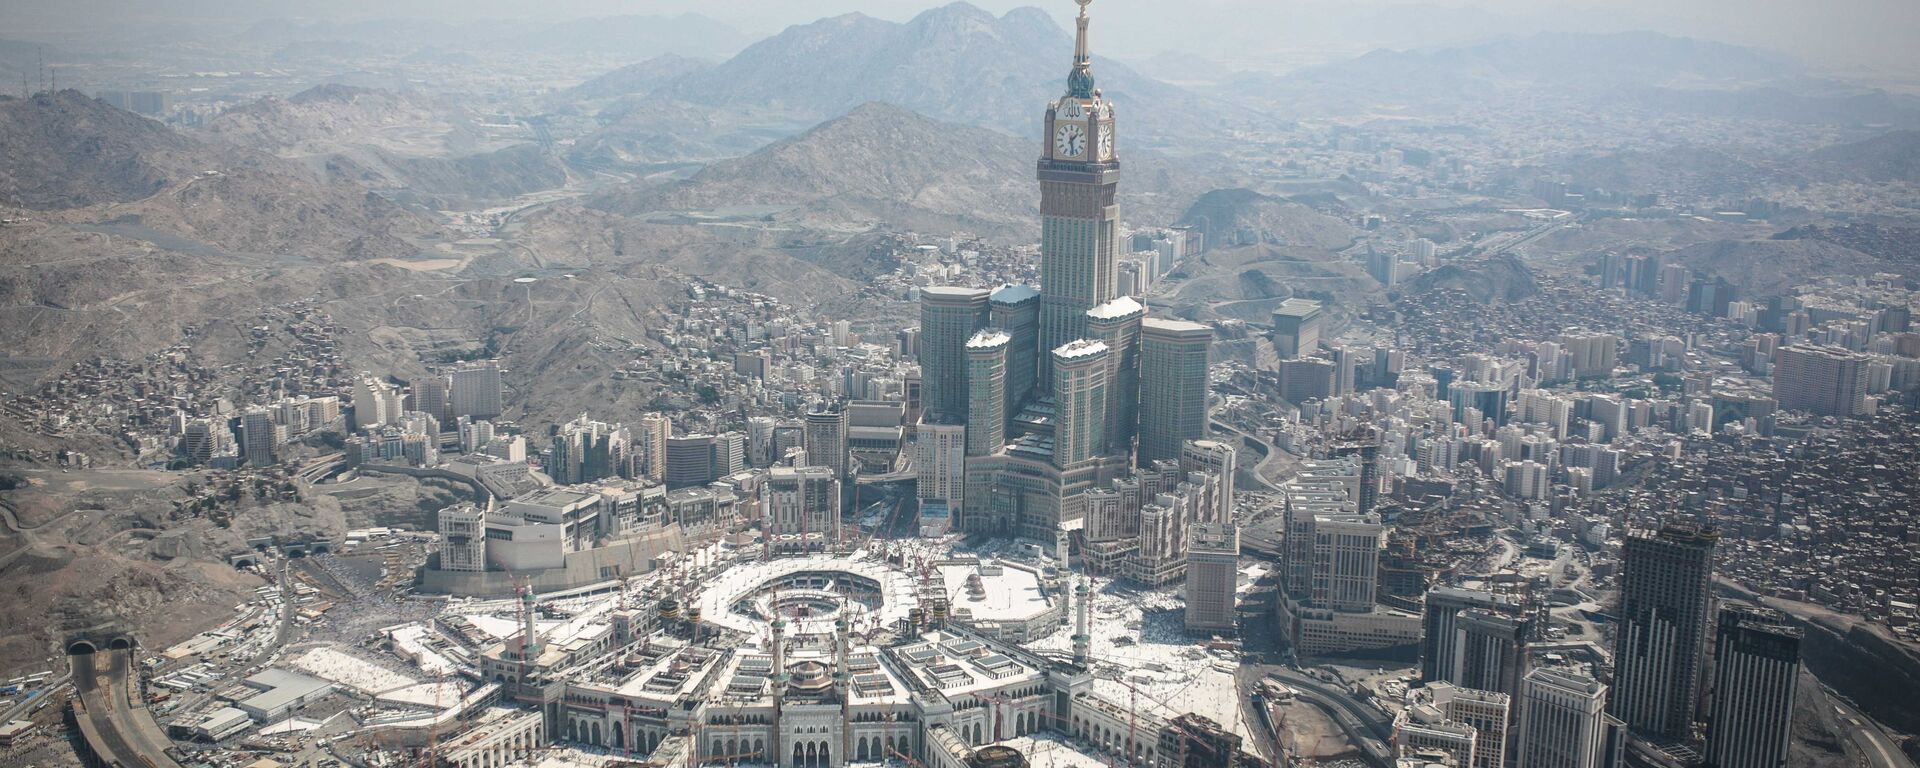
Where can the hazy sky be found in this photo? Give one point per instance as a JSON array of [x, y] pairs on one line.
[[1831, 33]]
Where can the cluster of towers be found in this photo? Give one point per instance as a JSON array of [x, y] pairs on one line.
[[1664, 676], [1065, 387]]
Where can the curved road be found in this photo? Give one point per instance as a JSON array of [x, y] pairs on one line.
[[1258, 469], [1365, 727], [27, 540], [1878, 750], [113, 718]]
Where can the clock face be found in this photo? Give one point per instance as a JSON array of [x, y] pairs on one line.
[[1070, 140], [1106, 143]]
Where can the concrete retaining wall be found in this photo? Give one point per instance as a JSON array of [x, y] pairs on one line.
[[620, 559]]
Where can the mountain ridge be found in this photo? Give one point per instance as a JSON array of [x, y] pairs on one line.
[[956, 63], [89, 163]]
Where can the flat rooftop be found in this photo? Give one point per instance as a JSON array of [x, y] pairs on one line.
[[1007, 592]]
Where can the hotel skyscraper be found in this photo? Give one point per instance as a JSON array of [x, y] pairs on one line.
[[1070, 372]]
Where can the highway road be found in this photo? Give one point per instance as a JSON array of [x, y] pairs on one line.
[[1260, 469], [1878, 750], [113, 718], [24, 706]]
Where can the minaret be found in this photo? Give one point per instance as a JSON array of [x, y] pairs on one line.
[[779, 683], [843, 685], [529, 641], [1082, 640]]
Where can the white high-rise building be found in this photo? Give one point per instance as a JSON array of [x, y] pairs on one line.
[[463, 538], [1346, 561], [1564, 723], [801, 508], [650, 447], [262, 437], [375, 402], [941, 460], [476, 391], [1488, 713]]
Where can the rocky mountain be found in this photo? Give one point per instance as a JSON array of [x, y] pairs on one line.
[[102, 167], [451, 183], [647, 133], [686, 34], [1500, 279], [1773, 267], [876, 163], [639, 78], [65, 150], [408, 145], [1569, 63], [329, 118], [956, 63], [1888, 157], [1243, 217], [880, 163]]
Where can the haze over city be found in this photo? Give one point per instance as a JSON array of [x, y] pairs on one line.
[[1070, 384]]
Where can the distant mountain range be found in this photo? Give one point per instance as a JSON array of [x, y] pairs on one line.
[[1890, 157], [639, 78], [687, 34], [66, 152], [325, 118], [955, 63], [409, 145], [883, 163], [878, 162], [1639, 70]]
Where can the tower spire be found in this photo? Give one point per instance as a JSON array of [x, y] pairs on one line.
[[1080, 81]]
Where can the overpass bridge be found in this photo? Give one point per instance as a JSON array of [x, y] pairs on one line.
[[108, 709]]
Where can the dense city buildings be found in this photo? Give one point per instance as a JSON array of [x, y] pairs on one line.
[[1430, 441]]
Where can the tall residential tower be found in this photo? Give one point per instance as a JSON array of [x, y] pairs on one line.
[[1666, 587]]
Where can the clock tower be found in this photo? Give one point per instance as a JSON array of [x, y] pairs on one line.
[[1079, 236]]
